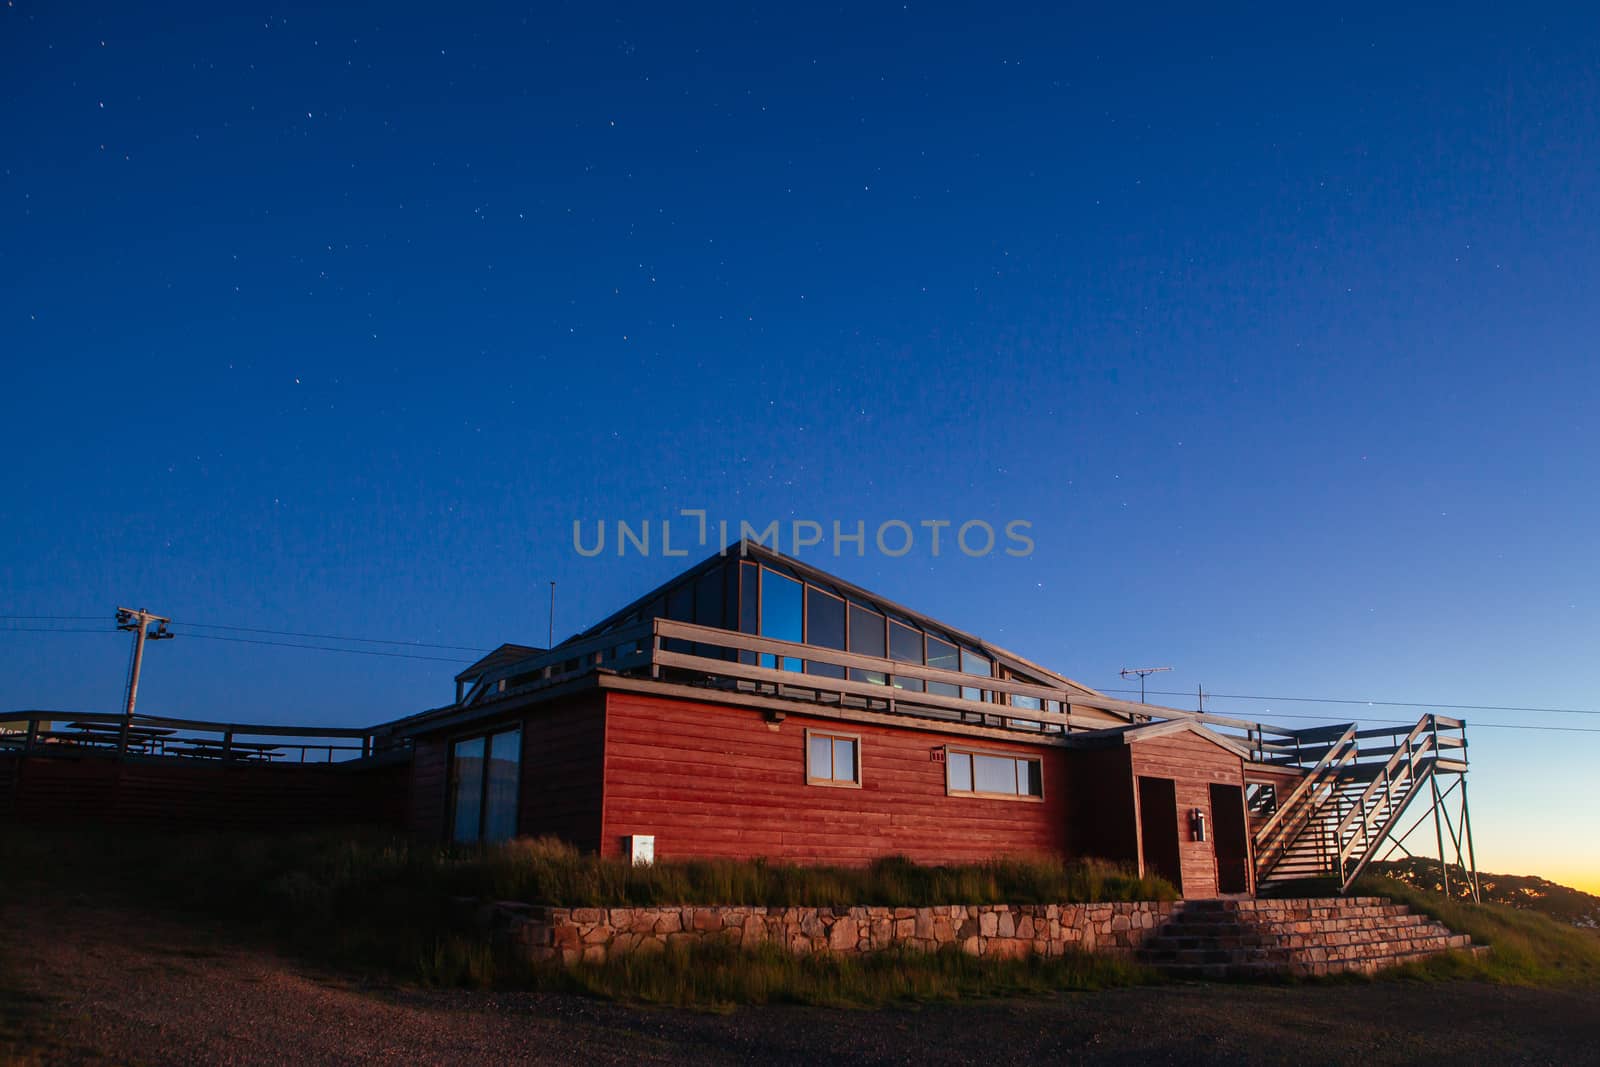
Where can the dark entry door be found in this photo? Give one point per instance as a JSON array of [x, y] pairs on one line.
[[1232, 841], [1158, 828]]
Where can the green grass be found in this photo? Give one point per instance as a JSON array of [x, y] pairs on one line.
[[382, 905], [710, 975], [1528, 948]]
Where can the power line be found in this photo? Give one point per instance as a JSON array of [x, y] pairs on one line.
[[58, 629], [69, 618], [324, 648], [1373, 703], [329, 637], [1406, 723]]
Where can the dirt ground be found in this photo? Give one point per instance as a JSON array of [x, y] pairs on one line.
[[91, 985]]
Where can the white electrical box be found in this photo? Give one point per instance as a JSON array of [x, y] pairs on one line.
[[641, 849]]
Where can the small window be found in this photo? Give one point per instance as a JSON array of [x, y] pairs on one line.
[[833, 759], [993, 774]]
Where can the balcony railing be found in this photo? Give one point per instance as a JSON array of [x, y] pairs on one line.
[[97, 733], [710, 656]]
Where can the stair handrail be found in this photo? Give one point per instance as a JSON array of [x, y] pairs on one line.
[[1336, 755], [1396, 812], [1407, 754]]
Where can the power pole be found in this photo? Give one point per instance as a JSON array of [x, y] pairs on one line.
[[139, 621], [1143, 672]]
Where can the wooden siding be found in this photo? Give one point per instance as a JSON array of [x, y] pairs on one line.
[[1194, 764], [710, 780], [430, 774], [191, 794], [563, 760]]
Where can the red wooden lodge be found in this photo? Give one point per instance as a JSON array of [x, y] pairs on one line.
[[757, 706]]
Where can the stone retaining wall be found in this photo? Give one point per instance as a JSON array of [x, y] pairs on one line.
[[596, 934]]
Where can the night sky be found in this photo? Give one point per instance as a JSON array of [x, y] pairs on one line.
[[1280, 330]]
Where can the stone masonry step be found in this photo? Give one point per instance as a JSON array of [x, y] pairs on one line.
[[1244, 938]]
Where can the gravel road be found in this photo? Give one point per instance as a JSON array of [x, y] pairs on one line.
[[87, 984]]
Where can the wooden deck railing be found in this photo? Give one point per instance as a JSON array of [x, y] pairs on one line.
[[714, 656], [98, 733]]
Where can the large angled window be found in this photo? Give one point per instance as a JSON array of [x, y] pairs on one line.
[[867, 636], [825, 620], [782, 604], [905, 645], [943, 654], [484, 772]]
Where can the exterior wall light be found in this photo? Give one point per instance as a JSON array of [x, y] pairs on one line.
[[1197, 823]]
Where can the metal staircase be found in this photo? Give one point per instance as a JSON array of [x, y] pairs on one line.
[[1347, 807]]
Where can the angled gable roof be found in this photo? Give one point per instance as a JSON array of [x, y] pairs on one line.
[[507, 653]]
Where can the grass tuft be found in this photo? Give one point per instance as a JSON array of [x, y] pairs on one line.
[[1528, 948]]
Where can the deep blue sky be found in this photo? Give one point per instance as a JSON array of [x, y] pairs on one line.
[[1279, 328]]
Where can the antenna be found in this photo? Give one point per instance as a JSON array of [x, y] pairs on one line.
[[1143, 673]]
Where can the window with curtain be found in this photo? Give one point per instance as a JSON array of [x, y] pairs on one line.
[[833, 759], [992, 774]]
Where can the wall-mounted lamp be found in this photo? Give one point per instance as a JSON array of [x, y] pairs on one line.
[[1197, 824]]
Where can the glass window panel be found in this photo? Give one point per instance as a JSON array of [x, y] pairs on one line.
[[994, 774], [680, 608], [1031, 703], [680, 603], [824, 628], [500, 814], [781, 617], [1030, 777], [943, 654], [960, 768], [972, 663], [467, 768], [819, 757], [905, 645], [844, 760], [867, 638], [749, 604], [708, 608], [708, 598]]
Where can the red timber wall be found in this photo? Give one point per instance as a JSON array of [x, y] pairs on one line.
[[192, 794], [563, 756], [713, 780], [563, 763], [1193, 763]]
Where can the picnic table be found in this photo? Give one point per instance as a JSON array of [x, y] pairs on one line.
[[205, 748], [148, 738]]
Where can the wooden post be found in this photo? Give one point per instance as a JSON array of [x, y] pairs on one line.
[[33, 736], [1466, 825], [227, 744]]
